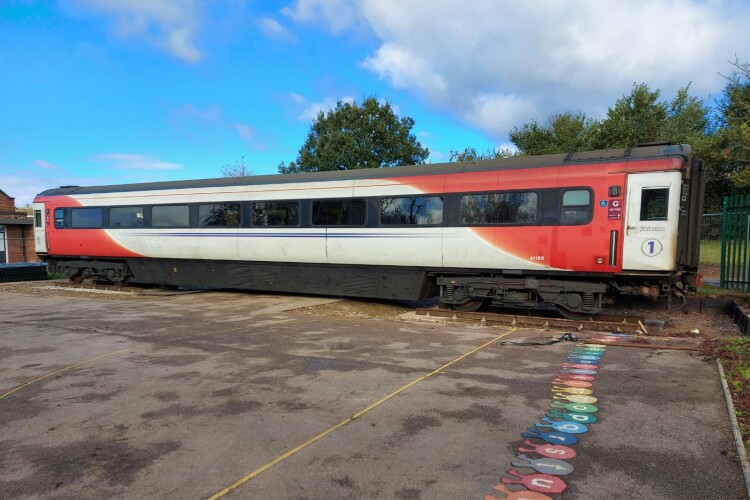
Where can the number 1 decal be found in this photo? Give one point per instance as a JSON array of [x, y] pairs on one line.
[[651, 247]]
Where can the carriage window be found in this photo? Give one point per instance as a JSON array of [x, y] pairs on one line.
[[59, 218], [37, 218], [576, 206], [413, 210], [126, 217], [219, 214], [170, 216], [654, 204], [86, 218], [499, 208], [276, 213], [338, 213]]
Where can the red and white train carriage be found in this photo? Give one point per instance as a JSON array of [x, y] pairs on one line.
[[569, 230]]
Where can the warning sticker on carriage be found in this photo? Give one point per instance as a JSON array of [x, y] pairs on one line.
[[615, 210]]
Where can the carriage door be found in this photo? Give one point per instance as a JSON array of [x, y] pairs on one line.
[[3, 248], [40, 228], [651, 216]]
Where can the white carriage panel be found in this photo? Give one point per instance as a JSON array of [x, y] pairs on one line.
[[463, 248], [206, 243], [281, 191], [379, 187], [651, 244], [402, 246], [303, 245]]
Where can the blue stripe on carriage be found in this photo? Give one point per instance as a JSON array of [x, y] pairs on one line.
[[288, 235]]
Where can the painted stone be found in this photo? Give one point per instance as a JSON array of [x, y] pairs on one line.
[[544, 483], [563, 426], [594, 360], [580, 366], [581, 418], [549, 450], [550, 466], [556, 437], [517, 495], [579, 372], [572, 390], [572, 383], [576, 398], [570, 376], [575, 407]]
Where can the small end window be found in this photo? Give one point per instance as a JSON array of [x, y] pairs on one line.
[[576, 206], [37, 218], [59, 218], [654, 204]]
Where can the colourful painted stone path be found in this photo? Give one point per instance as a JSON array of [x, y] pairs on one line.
[[547, 448]]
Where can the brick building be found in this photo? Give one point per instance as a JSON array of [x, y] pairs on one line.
[[16, 233]]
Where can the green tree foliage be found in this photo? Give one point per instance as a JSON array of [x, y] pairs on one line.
[[734, 135], [357, 135], [561, 133], [634, 119], [471, 154]]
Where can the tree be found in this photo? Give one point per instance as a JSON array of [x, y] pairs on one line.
[[634, 119], [471, 154], [562, 133], [357, 135], [239, 169], [734, 134]]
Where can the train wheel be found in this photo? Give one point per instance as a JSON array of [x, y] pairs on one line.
[[77, 278], [470, 306], [566, 313]]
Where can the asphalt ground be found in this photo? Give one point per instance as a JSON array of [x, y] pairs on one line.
[[238, 394]]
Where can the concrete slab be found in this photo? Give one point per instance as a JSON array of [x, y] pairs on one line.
[[180, 397]]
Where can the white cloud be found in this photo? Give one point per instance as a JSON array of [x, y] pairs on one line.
[[248, 135], [497, 64], [129, 161], [337, 15], [310, 109], [212, 113], [46, 165], [170, 25], [275, 31]]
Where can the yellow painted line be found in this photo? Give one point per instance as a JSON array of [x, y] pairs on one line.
[[326, 432], [61, 370], [91, 360]]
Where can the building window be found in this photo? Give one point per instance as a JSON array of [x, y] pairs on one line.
[[219, 215], [59, 218], [576, 206], [654, 204], [499, 208], [414, 210], [276, 213], [170, 216], [338, 213], [126, 217], [85, 218]]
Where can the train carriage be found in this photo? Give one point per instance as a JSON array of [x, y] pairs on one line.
[[565, 230]]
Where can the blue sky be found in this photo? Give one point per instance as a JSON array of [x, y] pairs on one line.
[[114, 91]]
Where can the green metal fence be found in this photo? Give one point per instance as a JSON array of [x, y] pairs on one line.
[[735, 229]]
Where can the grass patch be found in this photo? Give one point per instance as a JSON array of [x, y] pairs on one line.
[[711, 252], [734, 356]]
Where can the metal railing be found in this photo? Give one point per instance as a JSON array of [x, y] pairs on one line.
[[735, 273]]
